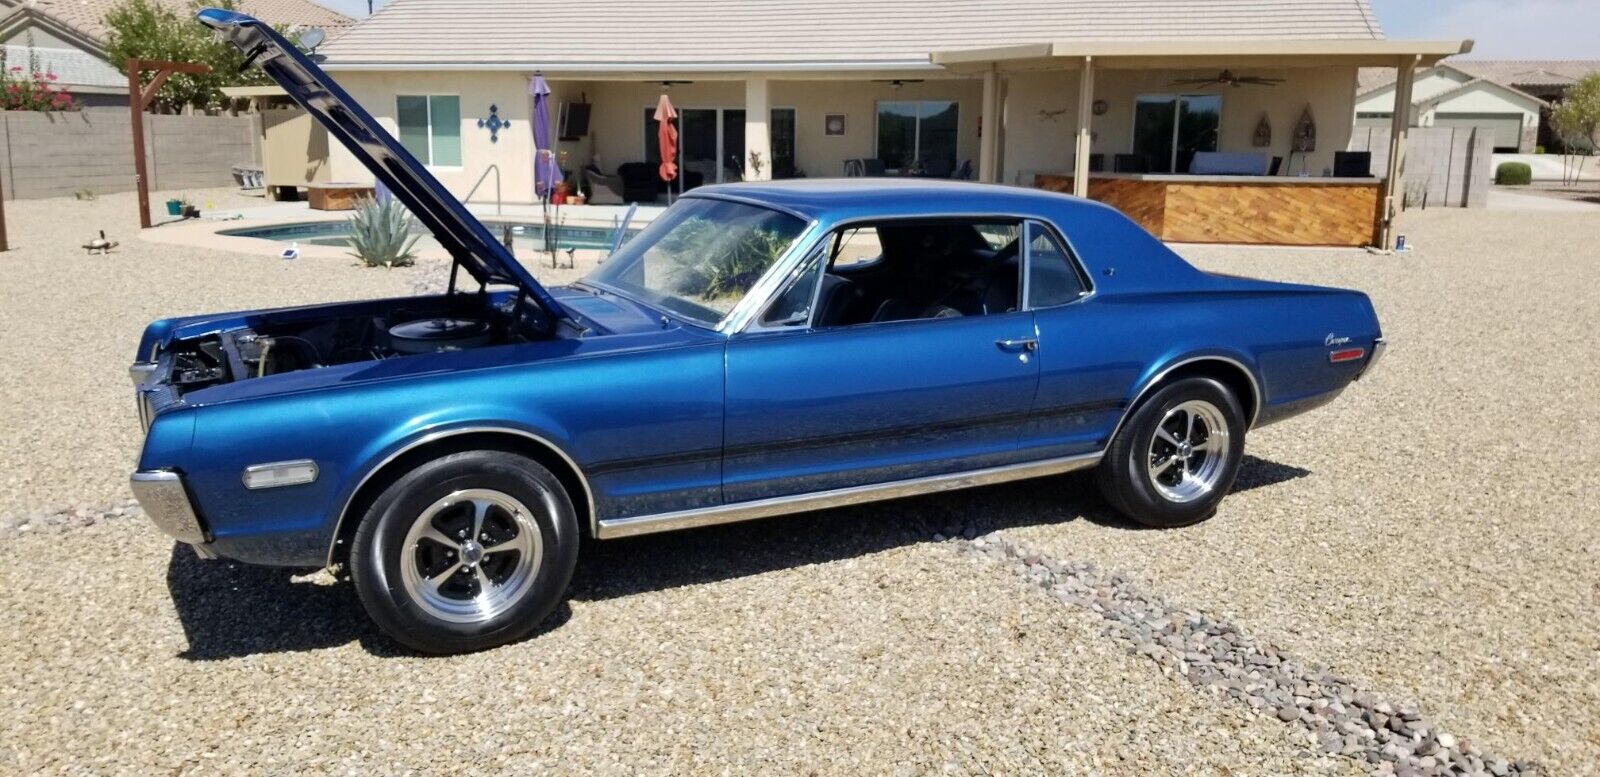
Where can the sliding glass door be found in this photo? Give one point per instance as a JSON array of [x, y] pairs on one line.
[[918, 135], [711, 143], [1169, 129]]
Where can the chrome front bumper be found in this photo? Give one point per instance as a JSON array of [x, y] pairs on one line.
[[166, 501]]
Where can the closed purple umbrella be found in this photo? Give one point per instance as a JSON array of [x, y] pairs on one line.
[[546, 168]]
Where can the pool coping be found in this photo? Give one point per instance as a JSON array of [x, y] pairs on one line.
[[205, 232]]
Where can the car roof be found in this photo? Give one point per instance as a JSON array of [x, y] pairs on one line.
[[834, 198]]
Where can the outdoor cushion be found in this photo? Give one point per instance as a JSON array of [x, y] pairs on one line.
[[1228, 163]]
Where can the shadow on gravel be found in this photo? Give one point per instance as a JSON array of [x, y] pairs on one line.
[[230, 610]]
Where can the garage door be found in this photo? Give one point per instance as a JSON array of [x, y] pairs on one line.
[[1507, 127]]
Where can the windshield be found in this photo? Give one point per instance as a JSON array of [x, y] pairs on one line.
[[700, 257]]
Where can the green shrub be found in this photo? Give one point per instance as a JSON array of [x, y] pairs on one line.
[[1513, 174], [1538, 149], [380, 231]]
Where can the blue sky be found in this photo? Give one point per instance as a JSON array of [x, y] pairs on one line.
[[1504, 29]]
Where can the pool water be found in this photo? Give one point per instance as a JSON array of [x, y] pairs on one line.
[[529, 237]]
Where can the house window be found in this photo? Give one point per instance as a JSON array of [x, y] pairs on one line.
[[430, 128], [1169, 129], [919, 135]]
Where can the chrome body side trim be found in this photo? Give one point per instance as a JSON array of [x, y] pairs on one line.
[[344, 511], [799, 503], [1255, 390], [1378, 348], [162, 496]]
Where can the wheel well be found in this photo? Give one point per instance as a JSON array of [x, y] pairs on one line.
[[1231, 375], [509, 442]]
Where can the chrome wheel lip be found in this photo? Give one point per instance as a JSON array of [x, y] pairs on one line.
[[495, 596], [1190, 447]]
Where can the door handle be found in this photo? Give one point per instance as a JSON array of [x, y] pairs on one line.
[[1020, 344]]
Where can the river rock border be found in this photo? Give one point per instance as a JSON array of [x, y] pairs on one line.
[[1389, 737]]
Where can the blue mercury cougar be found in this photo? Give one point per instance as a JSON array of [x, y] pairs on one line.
[[758, 350]]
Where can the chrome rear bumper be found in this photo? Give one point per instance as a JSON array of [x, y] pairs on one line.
[[166, 501], [1378, 347]]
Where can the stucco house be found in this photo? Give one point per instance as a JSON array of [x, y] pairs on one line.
[[1510, 98], [1062, 93]]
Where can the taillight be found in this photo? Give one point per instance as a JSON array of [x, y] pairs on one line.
[[1346, 355]]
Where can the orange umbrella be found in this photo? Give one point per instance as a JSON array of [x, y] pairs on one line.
[[667, 138]]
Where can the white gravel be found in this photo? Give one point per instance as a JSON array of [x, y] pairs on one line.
[[1432, 533], [1430, 536]]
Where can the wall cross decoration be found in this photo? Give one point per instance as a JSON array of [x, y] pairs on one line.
[[494, 123]]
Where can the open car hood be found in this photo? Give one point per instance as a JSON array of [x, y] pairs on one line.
[[467, 240]]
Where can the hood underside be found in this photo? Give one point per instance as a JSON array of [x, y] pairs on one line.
[[467, 240]]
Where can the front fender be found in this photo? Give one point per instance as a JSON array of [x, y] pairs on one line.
[[349, 435]]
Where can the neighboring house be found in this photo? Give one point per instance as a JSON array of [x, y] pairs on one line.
[[33, 37], [1510, 98], [67, 37]]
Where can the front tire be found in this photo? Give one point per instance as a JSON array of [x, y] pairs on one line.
[[466, 552], [1177, 455]]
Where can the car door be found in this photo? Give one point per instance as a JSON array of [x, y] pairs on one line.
[[1083, 355], [814, 409]]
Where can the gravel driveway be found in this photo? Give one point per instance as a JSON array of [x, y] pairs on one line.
[[1429, 536]]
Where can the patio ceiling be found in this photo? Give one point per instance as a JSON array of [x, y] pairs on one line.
[[1147, 54]]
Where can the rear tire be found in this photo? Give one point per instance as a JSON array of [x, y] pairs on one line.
[[466, 552], [1177, 455]]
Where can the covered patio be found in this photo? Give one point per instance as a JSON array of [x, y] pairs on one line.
[[1201, 141]]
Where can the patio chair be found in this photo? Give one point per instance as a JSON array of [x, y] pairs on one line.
[[1352, 164], [603, 189], [937, 167], [640, 182], [863, 168]]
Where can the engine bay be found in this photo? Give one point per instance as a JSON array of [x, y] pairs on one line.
[[271, 346]]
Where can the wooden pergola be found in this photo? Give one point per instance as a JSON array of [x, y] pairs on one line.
[[1090, 57], [139, 98]]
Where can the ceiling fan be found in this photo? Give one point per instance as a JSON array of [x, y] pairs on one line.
[[1228, 78]]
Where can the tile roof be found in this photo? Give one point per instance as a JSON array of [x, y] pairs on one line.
[[72, 67], [729, 33], [89, 15], [1474, 83], [1505, 72]]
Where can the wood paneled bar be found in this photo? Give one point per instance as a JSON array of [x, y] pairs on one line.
[[1257, 210]]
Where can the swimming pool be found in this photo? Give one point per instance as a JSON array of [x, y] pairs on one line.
[[524, 236]]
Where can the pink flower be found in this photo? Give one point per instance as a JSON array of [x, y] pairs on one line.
[[16, 69], [51, 76]]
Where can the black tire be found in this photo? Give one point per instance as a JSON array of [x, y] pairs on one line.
[[1126, 478], [380, 549]]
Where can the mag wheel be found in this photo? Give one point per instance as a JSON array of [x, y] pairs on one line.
[[466, 552], [1177, 455]]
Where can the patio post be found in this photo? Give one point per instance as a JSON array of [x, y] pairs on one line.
[[1080, 161], [989, 141], [757, 137], [1399, 126]]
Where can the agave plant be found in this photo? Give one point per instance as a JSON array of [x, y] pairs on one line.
[[380, 232]]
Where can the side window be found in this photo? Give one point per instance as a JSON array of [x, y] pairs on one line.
[[793, 306], [1052, 272], [856, 247]]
